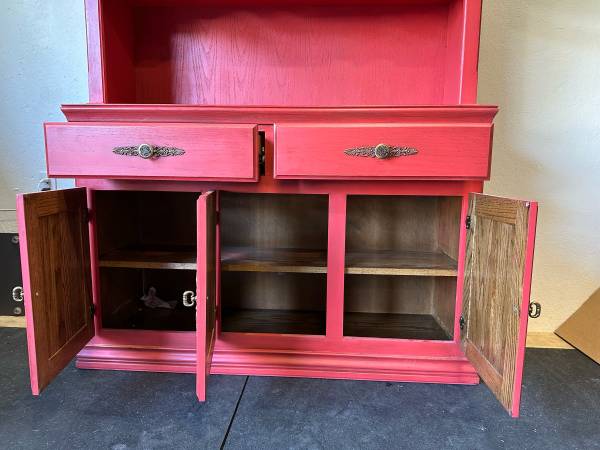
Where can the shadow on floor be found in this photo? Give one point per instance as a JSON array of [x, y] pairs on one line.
[[123, 410]]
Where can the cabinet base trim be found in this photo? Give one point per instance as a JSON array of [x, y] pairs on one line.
[[292, 363]]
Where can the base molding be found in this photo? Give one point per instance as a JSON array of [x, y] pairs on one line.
[[285, 363]]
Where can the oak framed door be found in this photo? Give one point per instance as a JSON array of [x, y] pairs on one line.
[[57, 280], [497, 283], [206, 289]]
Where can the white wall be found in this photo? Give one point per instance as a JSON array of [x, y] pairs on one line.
[[42, 65], [540, 61]]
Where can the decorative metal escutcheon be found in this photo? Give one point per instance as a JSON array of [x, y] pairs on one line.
[[189, 299], [381, 151], [148, 151], [535, 310], [17, 294]]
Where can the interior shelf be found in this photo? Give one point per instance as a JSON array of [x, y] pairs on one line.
[[250, 259], [394, 326], [273, 321], [408, 263], [173, 258]]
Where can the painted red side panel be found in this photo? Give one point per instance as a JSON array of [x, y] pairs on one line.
[[315, 151], [524, 314], [212, 152], [31, 352], [206, 290]]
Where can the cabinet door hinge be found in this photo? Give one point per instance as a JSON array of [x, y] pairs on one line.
[[468, 222], [87, 215], [461, 323], [93, 310]]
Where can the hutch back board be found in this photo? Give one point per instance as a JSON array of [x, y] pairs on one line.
[[281, 189]]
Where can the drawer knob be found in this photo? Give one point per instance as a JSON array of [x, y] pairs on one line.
[[381, 151], [148, 151]]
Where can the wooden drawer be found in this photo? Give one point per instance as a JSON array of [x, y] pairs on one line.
[[171, 151], [412, 150]]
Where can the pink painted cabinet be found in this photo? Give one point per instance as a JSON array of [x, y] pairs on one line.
[[279, 190]]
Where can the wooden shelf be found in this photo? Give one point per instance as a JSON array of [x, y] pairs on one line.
[[178, 258], [277, 321], [394, 326], [400, 263], [250, 259]]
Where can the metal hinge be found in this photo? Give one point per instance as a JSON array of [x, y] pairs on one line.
[[468, 222], [461, 323], [87, 215], [93, 310]]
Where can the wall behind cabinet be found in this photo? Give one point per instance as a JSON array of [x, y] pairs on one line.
[[540, 61]]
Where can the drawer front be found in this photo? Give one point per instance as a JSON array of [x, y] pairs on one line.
[[383, 151], [152, 151]]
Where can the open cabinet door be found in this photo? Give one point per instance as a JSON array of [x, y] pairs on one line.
[[206, 290], [499, 258], [57, 280]]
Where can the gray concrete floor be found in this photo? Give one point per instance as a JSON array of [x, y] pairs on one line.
[[129, 410]]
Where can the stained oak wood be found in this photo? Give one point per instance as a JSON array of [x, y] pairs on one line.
[[394, 326], [55, 252], [148, 258], [206, 289], [494, 304], [252, 259], [390, 262], [278, 321]]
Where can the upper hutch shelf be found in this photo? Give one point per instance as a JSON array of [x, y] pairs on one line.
[[301, 53]]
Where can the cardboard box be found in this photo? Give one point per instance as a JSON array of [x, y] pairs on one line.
[[582, 329]]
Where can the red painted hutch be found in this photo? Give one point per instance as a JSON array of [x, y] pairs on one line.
[[306, 175]]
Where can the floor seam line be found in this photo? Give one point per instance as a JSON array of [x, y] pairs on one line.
[[235, 410]]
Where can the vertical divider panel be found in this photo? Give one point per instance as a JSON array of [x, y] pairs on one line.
[[462, 248], [93, 231], [336, 261], [218, 323]]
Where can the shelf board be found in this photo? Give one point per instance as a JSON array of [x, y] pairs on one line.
[[180, 258], [250, 259], [393, 326], [277, 321], [430, 264]]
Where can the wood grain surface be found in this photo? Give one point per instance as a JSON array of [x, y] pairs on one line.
[[493, 290], [55, 254]]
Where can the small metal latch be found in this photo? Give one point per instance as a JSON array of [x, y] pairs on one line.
[[535, 310], [17, 294], [189, 298], [461, 323], [468, 222]]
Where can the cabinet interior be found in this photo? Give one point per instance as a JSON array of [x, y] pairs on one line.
[[401, 266], [146, 239], [271, 53], [273, 263]]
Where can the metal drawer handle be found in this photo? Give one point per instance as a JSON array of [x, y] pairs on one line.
[[148, 151], [17, 294], [381, 151]]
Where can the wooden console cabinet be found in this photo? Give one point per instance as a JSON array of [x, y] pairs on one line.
[[307, 175]]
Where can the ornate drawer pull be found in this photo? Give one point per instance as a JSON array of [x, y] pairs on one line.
[[381, 151], [148, 151]]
